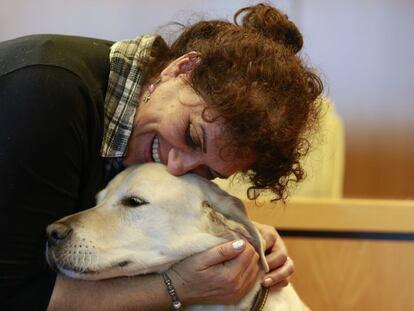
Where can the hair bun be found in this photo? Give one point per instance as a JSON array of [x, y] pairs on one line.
[[272, 24]]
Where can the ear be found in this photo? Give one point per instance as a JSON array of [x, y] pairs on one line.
[[181, 65], [231, 213], [222, 226], [100, 196]]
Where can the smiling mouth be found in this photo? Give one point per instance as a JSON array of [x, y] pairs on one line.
[[154, 149]]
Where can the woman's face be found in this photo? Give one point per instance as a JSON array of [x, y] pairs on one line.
[[169, 129]]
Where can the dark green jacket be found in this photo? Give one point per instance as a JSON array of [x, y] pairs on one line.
[[52, 90]]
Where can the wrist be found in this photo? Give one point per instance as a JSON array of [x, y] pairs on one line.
[[175, 301], [181, 289]]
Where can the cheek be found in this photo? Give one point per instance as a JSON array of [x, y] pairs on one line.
[[172, 131], [143, 116]]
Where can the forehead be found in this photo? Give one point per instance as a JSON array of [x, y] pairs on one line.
[[188, 96]]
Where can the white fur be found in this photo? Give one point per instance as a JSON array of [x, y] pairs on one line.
[[184, 215]]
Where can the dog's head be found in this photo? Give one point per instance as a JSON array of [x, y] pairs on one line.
[[145, 221]]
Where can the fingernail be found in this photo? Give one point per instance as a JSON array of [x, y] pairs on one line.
[[267, 282], [238, 244]]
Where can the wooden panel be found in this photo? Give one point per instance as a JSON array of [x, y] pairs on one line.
[[342, 215], [348, 274], [357, 275]]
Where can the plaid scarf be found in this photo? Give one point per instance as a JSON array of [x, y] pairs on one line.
[[127, 61]]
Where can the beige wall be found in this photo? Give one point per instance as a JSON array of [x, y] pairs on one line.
[[109, 19], [365, 50]]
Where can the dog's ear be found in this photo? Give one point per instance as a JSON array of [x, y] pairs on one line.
[[231, 213], [100, 196]]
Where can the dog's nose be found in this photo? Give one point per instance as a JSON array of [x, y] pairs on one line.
[[57, 232]]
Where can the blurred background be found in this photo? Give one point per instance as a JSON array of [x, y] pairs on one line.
[[363, 49]]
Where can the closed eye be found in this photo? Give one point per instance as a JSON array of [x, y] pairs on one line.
[[133, 201], [191, 139]]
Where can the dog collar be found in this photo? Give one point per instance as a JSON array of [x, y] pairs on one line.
[[260, 299]]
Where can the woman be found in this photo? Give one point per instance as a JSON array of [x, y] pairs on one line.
[[224, 98]]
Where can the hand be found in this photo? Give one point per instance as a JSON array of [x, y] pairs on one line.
[[221, 275], [280, 264]]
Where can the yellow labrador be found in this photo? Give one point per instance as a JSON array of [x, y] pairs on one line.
[[145, 221]]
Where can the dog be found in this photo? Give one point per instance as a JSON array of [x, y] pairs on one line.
[[146, 220]]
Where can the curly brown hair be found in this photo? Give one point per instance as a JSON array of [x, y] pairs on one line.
[[251, 77]]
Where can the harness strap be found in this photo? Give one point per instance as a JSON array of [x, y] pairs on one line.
[[260, 299]]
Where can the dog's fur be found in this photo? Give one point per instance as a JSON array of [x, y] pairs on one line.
[[146, 220]]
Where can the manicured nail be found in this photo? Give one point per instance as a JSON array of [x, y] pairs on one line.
[[239, 244], [267, 282]]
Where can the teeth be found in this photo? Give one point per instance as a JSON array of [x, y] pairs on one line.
[[154, 150]]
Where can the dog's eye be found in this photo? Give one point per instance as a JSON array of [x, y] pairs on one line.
[[133, 201]]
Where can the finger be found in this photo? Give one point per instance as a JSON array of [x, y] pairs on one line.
[[240, 274], [280, 275], [270, 238], [234, 269], [279, 243], [249, 273], [223, 252], [276, 259], [246, 280], [281, 284], [268, 233]]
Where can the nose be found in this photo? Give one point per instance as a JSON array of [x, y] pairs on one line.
[[181, 162], [57, 233]]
